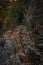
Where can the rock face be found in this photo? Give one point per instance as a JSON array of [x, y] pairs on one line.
[[3, 54], [18, 46], [9, 52], [24, 45], [34, 17]]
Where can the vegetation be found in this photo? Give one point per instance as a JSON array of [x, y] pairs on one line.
[[13, 13]]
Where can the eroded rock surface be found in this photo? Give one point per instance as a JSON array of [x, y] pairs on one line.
[[19, 48]]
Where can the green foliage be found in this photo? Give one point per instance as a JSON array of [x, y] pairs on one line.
[[15, 14], [2, 16]]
